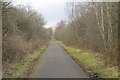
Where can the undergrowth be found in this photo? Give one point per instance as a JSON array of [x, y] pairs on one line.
[[24, 67], [90, 62]]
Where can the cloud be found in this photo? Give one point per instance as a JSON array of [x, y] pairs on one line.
[[52, 10]]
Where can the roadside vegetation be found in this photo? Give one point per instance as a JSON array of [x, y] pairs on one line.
[[92, 28], [90, 36], [22, 35], [91, 62], [24, 67]]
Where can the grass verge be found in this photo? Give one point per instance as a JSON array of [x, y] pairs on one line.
[[90, 63], [23, 68]]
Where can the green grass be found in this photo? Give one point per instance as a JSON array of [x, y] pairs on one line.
[[23, 67], [89, 61]]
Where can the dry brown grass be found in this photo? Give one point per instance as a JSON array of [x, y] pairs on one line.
[[16, 47]]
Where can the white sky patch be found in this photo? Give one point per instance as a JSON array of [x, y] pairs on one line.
[[52, 10], [50, 24]]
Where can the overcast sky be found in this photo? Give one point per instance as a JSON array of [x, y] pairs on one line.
[[52, 10]]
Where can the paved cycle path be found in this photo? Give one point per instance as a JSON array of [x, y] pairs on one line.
[[56, 63]]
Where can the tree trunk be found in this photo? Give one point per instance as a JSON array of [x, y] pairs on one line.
[[110, 28], [100, 25]]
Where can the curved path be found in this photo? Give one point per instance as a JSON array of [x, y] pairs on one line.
[[56, 63]]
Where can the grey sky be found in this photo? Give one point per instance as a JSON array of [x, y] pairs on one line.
[[52, 10]]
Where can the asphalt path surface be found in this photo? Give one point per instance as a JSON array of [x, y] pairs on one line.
[[56, 63]]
